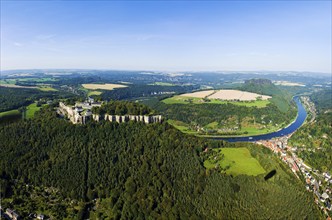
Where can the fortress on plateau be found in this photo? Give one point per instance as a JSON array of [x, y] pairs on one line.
[[81, 113]]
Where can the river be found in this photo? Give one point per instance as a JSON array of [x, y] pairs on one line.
[[301, 116]]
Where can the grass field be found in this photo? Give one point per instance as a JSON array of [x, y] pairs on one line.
[[39, 80], [47, 89], [31, 109], [192, 100], [235, 161], [9, 113], [7, 81], [94, 93], [107, 86], [16, 86], [183, 127], [29, 113], [162, 84]]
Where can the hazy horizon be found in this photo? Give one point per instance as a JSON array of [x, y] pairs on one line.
[[167, 36]]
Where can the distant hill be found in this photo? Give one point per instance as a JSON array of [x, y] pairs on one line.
[[315, 138], [281, 98], [259, 81], [322, 99]]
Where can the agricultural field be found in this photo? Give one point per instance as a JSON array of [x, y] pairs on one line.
[[7, 81], [286, 83], [47, 89], [237, 95], [37, 80], [227, 94], [234, 161], [107, 86], [162, 84], [200, 94], [181, 99], [17, 86]]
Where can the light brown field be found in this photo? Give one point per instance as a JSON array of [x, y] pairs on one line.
[[227, 95], [107, 86], [201, 94], [17, 86], [286, 83]]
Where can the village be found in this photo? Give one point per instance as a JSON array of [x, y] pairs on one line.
[[317, 183]]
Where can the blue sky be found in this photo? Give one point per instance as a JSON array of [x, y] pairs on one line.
[[173, 35]]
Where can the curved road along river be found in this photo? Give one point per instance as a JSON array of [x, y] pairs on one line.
[[301, 116]]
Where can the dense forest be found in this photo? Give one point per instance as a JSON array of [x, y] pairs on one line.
[[122, 108], [314, 140], [230, 117], [280, 97], [136, 171], [208, 113], [13, 98], [138, 90]]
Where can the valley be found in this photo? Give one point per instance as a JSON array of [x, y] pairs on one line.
[[117, 153]]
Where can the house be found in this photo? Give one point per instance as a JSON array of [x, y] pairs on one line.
[[307, 187], [12, 214], [40, 216], [328, 205], [91, 100], [312, 180], [325, 196]]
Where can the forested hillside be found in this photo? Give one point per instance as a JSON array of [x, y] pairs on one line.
[[138, 171], [114, 107], [280, 98], [13, 98], [205, 113], [138, 90], [314, 140]]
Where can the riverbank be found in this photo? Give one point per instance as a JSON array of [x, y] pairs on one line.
[[301, 116]]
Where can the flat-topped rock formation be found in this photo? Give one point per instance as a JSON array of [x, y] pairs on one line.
[[80, 115], [126, 118]]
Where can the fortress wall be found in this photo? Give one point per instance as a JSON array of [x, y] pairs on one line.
[[76, 118]]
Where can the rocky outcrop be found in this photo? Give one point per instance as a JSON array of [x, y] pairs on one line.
[[76, 117], [126, 118]]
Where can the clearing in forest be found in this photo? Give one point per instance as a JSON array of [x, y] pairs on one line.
[[234, 161]]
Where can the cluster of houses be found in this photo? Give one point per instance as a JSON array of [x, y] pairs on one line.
[[81, 113], [12, 214], [314, 180]]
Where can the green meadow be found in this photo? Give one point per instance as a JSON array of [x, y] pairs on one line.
[[95, 92], [9, 113], [47, 89], [234, 161], [31, 110]]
